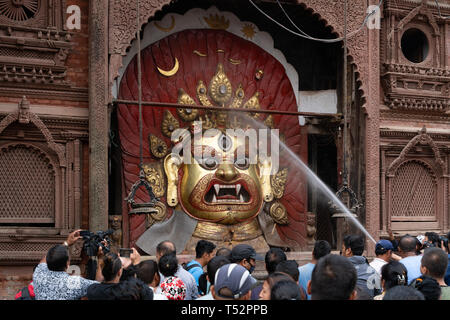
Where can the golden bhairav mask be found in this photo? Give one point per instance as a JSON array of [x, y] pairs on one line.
[[221, 185], [222, 181]]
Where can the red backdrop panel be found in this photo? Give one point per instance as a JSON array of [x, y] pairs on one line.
[[275, 91]]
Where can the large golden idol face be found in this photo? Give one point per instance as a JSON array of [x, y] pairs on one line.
[[221, 185]]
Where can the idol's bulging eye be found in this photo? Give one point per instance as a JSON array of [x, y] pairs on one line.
[[225, 142], [242, 163], [209, 163]]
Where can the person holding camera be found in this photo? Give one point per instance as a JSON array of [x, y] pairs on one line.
[[112, 267], [50, 278], [447, 249]]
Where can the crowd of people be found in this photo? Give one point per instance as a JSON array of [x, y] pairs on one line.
[[410, 268]]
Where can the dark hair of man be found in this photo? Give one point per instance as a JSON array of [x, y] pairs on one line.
[[166, 247], [273, 257], [355, 243], [213, 265], [333, 278], [436, 261], [128, 273], [202, 247], [407, 243], [132, 289], [111, 266], [433, 237], [276, 276], [289, 267], [224, 252], [285, 290], [403, 293], [168, 265], [57, 257], [428, 286], [146, 271], [321, 249], [394, 274]]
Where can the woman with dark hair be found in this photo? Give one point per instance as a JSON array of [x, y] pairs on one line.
[[172, 287], [112, 288], [393, 274], [271, 280]]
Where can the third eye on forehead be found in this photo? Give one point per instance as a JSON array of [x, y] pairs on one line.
[[225, 143]]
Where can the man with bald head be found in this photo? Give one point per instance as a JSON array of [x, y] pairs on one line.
[[168, 247], [165, 247], [412, 262]]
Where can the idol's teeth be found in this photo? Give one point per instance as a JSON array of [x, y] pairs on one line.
[[238, 188], [217, 187], [214, 200], [241, 199]]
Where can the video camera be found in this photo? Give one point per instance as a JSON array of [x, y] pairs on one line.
[[436, 244], [92, 241]]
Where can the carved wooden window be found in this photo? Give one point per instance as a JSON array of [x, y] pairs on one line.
[[27, 186], [19, 10], [32, 13], [35, 45], [414, 190]]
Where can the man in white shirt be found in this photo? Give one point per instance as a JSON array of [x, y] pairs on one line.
[[188, 279], [383, 252]]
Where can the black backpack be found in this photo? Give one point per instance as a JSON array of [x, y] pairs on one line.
[[202, 279], [195, 264], [25, 294]]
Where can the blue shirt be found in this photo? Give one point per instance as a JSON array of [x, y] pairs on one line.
[[304, 276], [412, 265], [196, 271], [447, 274]]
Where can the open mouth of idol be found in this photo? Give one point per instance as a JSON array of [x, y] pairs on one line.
[[235, 193]]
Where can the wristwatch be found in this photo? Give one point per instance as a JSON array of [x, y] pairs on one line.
[[66, 243]]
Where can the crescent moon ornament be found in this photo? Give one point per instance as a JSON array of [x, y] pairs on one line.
[[169, 28], [171, 72]]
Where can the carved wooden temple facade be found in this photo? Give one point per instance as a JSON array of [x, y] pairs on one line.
[[379, 136]]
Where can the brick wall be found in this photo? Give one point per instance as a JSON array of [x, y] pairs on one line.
[[12, 279], [77, 63], [78, 60]]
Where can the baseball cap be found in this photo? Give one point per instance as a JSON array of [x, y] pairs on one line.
[[244, 251], [384, 244], [234, 277]]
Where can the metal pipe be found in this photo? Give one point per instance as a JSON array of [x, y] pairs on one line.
[[138, 36], [215, 108]]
